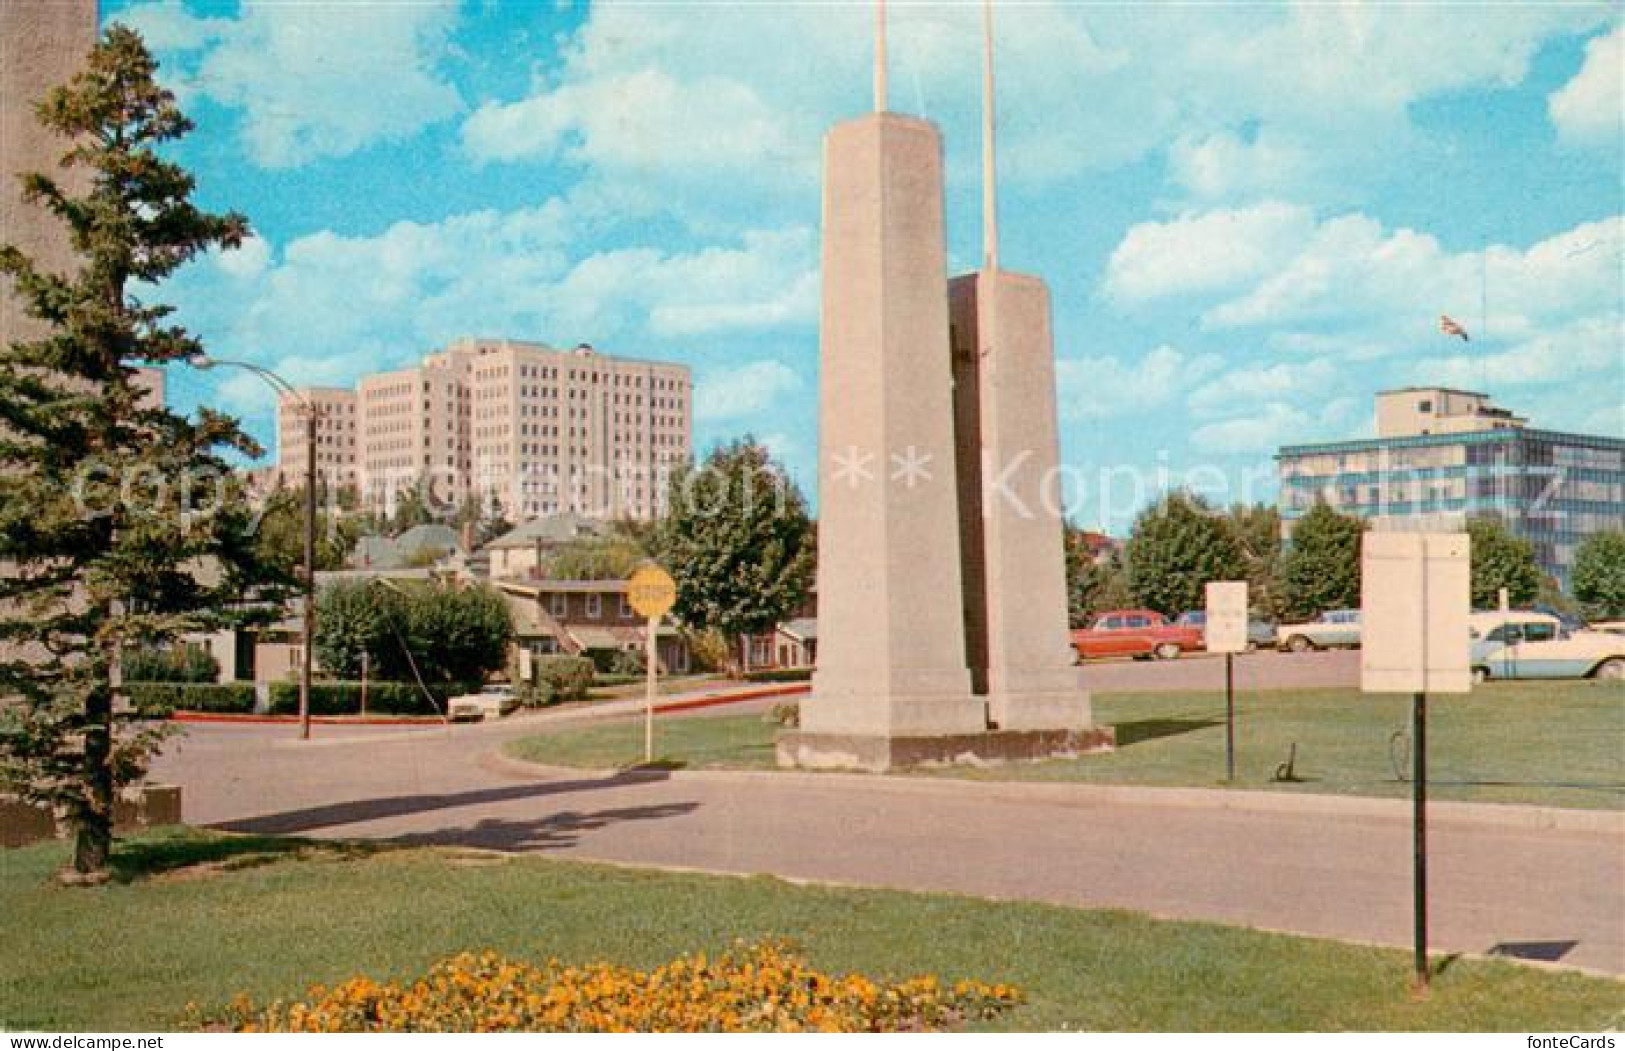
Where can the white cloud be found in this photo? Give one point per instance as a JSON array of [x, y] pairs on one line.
[[745, 391], [1092, 388], [1263, 99], [1590, 109], [1206, 252], [326, 307], [1223, 165], [312, 80]]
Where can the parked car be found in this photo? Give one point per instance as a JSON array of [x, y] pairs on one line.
[[492, 702], [1137, 633], [1259, 632], [1334, 628], [1613, 627], [1522, 644]]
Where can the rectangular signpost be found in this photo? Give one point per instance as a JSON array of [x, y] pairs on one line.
[[1225, 631], [1415, 598]]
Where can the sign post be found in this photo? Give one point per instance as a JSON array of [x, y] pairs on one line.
[[651, 592], [1415, 599], [1225, 631]]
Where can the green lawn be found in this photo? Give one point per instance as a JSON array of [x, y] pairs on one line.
[[1550, 744], [268, 917]]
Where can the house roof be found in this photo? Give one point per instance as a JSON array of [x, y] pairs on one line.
[[802, 629], [549, 529]]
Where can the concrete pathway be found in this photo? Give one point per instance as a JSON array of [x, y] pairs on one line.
[[1315, 865]]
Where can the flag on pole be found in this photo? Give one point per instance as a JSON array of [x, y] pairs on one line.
[[1448, 326]]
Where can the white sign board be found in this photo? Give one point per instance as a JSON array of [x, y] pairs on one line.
[[1226, 629], [1415, 597]]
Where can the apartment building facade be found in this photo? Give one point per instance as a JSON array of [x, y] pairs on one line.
[[337, 433], [536, 429], [1443, 456]]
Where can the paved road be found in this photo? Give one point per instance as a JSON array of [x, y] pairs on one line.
[[1337, 868]]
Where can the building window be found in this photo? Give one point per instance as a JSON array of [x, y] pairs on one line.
[[558, 604], [595, 605], [627, 612], [1425, 405]]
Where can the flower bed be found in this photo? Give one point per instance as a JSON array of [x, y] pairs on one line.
[[758, 988]]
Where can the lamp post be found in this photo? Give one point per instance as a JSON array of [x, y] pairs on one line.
[[309, 411]]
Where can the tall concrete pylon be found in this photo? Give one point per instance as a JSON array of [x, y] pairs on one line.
[[43, 43], [1015, 605], [891, 658]]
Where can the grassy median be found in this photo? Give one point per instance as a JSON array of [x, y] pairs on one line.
[[198, 918], [1547, 744]]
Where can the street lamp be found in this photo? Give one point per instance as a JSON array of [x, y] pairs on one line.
[[203, 362]]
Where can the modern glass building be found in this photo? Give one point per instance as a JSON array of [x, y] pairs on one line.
[[1443, 456]]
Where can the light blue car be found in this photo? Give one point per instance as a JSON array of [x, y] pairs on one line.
[[1522, 645]]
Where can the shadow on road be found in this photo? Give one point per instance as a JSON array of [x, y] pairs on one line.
[[553, 832], [362, 810]]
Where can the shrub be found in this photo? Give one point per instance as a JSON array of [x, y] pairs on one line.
[[780, 675], [160, 700], [344, 698], [559, 678], [753, 989], [181, 663], [787, 716]]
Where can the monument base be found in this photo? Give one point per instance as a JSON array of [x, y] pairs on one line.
[[878, 754], [1038, 699]]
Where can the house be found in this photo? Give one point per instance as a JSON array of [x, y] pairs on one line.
[[422, 545], [586, 618], [518, 553], [792, 644]]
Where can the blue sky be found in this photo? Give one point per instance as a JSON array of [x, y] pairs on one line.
[[1250, 216]]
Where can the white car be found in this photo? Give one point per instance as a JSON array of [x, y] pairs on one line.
[[1523, 645], [1612, 627], [492, 702], [1336, 628]]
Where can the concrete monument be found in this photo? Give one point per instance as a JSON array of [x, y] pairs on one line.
[[941, 589], [1011, 530]]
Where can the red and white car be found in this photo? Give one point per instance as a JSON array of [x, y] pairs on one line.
[[1137, 633]]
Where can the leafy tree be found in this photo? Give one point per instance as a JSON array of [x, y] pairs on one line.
[[353, 617], [412, 508], [1092, 584], [454, 635], [1257, 529], [121, 525], [281, 533], [1321, 567], [1599, 574], [1177, 546], [1501, 560], [738, 541]]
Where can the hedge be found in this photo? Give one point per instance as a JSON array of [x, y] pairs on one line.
[[558, 678], [344, 698], [780, 675], [160, 700]]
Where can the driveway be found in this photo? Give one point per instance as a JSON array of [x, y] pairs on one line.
[[1312, 865]]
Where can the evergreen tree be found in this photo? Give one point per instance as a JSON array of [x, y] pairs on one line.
[[1257, 529], [1092, 584], [121, 526], [1599, 574], [738, 542], [1321, 567], [1501, 560], [1178, 545]]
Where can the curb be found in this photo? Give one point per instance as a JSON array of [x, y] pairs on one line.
[[1441, 813], [230, 719]]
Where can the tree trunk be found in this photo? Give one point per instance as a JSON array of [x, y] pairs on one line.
[[93, 832]]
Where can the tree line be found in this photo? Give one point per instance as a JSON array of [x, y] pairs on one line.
[[1182, 541]]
